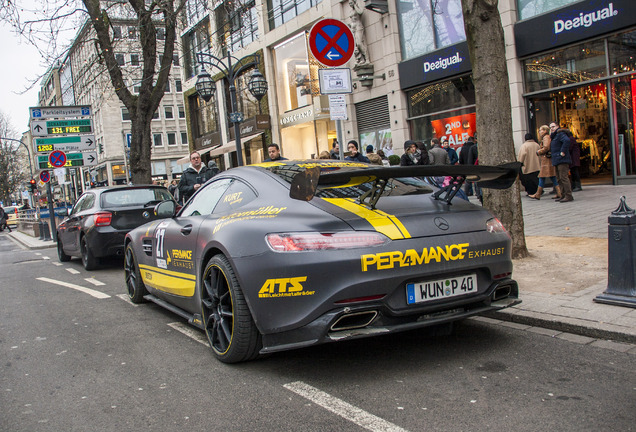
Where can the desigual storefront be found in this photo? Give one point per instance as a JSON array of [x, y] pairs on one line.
[[579, 65]]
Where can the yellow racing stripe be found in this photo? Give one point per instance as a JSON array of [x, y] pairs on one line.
[[177, 283], [382, 222]]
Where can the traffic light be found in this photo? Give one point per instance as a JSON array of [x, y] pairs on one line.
[[33, 185]]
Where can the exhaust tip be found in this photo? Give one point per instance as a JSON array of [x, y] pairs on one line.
[[354, 320], [501, 292]]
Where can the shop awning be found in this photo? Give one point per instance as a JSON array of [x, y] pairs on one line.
[[231, 145], [186, 158]]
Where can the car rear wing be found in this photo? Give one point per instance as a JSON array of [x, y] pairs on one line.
[[305, 184]]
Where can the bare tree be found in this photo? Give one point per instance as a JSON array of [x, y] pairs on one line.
[[486, 45], [152, 19], [12, 173]]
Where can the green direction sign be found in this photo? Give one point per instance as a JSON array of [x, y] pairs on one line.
[[43, 128], [64, 143], [72, 160]]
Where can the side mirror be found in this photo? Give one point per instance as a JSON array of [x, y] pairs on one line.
[[165, 209]]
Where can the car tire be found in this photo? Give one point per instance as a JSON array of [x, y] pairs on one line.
[[60, 251], [228, 322], [134, 284], [88, 259]]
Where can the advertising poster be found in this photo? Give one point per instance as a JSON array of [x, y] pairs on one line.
[[456, 129]]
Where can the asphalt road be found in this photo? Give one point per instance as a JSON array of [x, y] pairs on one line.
[[80, 360]]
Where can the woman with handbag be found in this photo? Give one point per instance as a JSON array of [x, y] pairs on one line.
[[547, 170]]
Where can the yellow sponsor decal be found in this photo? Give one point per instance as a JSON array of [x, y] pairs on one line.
[[333, 165], [268, 164], [181, 258], [177, 283], [382, 222], [390, 260], [486, 252], [181, 254], [284, 287], [260, 213], [233, 199]]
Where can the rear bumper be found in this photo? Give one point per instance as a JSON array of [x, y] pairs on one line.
[[106, 242], [327, 328]]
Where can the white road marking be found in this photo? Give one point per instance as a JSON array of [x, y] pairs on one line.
[[342, 408], [72, 271], [125, 298], [96, 294], [38, 253], [94, 281], [46, 258], [56, 263], [190, 332]]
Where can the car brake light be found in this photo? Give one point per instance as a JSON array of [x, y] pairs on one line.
[[103, 218], [302, 242], [494, 225]]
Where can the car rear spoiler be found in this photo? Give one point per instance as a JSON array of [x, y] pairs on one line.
[[305, 184]]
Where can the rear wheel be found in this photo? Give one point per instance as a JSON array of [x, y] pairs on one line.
[[88, 259], [229, 326], [60, 251], [136, 288]]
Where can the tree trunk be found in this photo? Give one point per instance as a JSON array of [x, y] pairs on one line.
[[487, 48]]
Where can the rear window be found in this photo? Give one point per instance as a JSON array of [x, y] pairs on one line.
[[134, 197], [395, 187]]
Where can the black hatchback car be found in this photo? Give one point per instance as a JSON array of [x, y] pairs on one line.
[[101, 218]]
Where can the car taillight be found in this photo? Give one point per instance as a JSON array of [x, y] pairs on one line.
[[103, 218], [494, 225], [301, 242]]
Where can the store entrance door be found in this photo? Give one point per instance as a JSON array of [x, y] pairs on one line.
[[583, 111]]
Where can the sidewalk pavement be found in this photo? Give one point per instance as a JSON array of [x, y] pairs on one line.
[[570, 313]]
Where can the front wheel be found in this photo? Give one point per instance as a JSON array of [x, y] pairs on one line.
[[88, 259], [229, 326], [135, 286]]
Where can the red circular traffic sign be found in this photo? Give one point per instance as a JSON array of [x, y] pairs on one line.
[[57, 158], [331, 42], [45, 176]]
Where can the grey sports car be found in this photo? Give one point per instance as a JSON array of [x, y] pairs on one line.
[[288, 254]]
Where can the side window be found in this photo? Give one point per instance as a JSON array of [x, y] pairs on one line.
[[88, 202], [205, 200], [236, 196], [78, 204]]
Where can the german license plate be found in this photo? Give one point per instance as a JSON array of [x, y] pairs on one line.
[[421, 292]]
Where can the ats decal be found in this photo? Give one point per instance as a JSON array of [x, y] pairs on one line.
[[261, 213], [284, 287]]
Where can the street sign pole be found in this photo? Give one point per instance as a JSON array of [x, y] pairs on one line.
[[49, 197]]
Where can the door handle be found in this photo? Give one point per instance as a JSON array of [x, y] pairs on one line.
[[186, 230]]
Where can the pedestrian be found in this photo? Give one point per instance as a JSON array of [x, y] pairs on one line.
[[575, 166], [354, 154], [324, 155], [335, 149], [373, 158], [192, 178], [452, 154], [4, 217], [385, 160], [411, 155], [531, 161], [560, 149], [437, 154], [274, 153], [546, 170], [463, 159], [173, 187]]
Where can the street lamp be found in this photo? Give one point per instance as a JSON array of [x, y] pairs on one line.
[[205, 86]]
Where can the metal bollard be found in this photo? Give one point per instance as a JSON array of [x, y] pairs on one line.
[[47, 232], [621, 268], [41, 230]]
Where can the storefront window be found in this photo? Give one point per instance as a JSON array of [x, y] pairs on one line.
[[158, 168], [429, 25], [293, 83], [530, 8], [575, 64], [237, 24], [441, 96], [624, 90], [247, 103], [622, 53], [197, 40]]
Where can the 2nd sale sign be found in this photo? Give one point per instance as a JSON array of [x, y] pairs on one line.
[[456, 129]]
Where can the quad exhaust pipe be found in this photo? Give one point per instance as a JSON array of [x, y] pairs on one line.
[[354, 320], [501, 292]]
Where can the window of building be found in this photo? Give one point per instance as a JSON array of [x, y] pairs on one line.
[[429, 25], [134, 59], [168, 112], [136, 89], [175, 168], [172, 138], [120, 59], [530, 8], [167, 89], [158, 168], [184, 138], [281, 11], [161, 33], [155, 116], [177, 86], [157, 140], [132, 32], [197, 40], [182, 114], [116, 32], [175, 60], [293, 83], [195, 10], [621, 53], [237, 24], [125, 115], [203, 116]]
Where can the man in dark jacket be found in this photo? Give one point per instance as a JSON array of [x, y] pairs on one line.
[[354, 154], [437, 154], [334, 153], [575, 165], [192, 178], [464, 153], [274, 153], [452, 154], [560, 149], [412, 156]]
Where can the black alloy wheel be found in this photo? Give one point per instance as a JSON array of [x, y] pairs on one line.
[[88, 259], [228, 322], [134, 284]]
